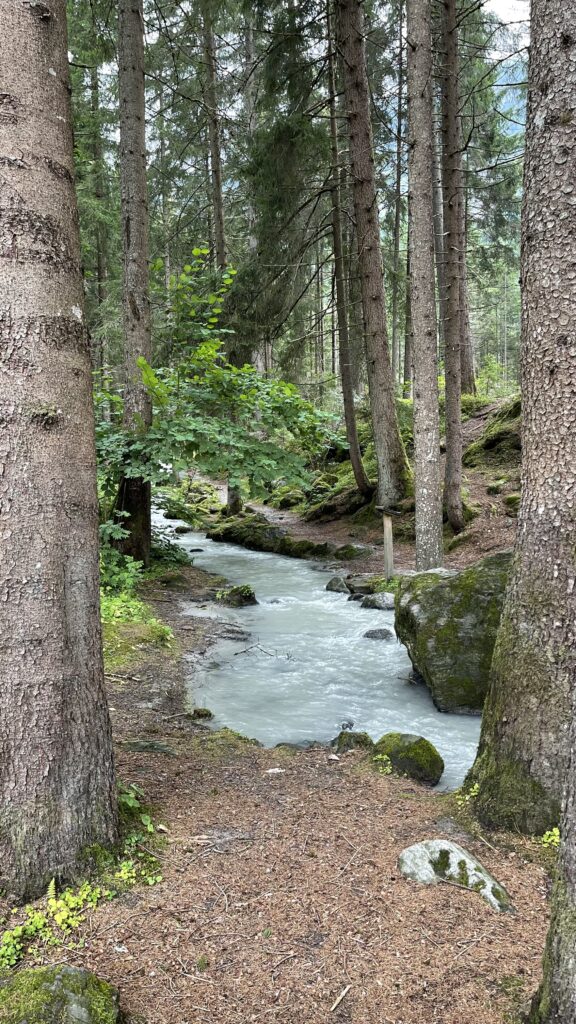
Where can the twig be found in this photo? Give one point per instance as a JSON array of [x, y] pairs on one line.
[[340, 998]]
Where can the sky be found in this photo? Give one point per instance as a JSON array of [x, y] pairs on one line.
[[510, 10]]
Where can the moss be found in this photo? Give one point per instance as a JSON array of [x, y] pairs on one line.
[[201, 714], [500, 443], [253, 531], [237, 597], [512, 502], [125, 643], [449, 626], [57, 995], [508, 797], [347, 740], [463, 878], [441, 863], [220, 744], [411, 755], [549, 1002], [349, 551]]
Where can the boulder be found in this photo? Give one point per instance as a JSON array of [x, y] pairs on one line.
[[337, 585], [57, 995], [411, 755], [347, 740], [382, 602], [237, 597], [255, 532], [449, 625], [379, 634], [441, 860]]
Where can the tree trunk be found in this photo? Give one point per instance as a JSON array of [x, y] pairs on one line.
[[134, 492], [390, 455], [439, 246], [211, 104], [524, 746], [100, 240], [57, 788], [362, 482], [467, 372], [428, 498], [453, 192], [397, 199], [408, 370]]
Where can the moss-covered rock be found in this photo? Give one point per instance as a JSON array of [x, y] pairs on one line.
[[337, 585], [440, 860], [237, 597], [57, 995], [512, 503], [411, 755], [500, 443], [449, 627], [255, 532], [347, 740]]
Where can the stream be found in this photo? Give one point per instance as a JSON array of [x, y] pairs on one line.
[[306, 669]]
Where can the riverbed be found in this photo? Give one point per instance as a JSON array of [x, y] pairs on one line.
[[300, 668]]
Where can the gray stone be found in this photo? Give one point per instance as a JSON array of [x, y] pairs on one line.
[[57, 995], [381, 602], [441, 860], [449, 626], [337, 585], [379, 634]]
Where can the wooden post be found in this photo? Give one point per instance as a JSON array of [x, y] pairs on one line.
[[388, 540]]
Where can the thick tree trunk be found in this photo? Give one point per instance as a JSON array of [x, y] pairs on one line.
[[390, 455], [100, 241], [453, 197], [57, 790], [398, 198], [134, 493], [524, 747], [362, 482], [429, 546]]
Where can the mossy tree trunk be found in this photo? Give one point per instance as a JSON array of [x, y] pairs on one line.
[[57, 790], [429, 545], [390, 455], [524, 748]]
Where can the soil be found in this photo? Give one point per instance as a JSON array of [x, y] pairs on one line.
[[281, 899]]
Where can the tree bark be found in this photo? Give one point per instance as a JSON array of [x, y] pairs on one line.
[[57, 788], [134, 493], [398, 198], [100, 240], [524, 747], [467, 371], [453, 193], [439, 246], [428, 498], [362, 482], [211, 104], [408, 368], [390, 455]]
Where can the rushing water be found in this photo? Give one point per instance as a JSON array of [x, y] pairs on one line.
[[307, 668]]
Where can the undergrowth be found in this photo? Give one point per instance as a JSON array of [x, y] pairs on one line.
[[54, 919]]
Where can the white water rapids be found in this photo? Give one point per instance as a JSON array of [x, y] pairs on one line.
[[307, 669]]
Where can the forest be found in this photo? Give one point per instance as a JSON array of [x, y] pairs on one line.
[[287, 512]]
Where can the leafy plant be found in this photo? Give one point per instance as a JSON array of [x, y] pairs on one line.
[[383, 764], [551, 839]]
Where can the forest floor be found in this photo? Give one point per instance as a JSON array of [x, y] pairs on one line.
[[280, 888]]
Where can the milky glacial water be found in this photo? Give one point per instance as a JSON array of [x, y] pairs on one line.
[[306, 668]]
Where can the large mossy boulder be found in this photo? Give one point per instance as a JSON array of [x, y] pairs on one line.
[[57, 995], [348, 740], [500, 444], [237, 597], [254, 531], [449, 626], [411, 755]]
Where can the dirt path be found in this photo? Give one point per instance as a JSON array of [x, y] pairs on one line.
[[281, 889]]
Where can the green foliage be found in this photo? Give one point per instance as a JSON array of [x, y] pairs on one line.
[[52, 920], [383, 764], [551, 839]]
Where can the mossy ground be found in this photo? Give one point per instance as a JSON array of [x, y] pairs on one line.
[[56, 995]]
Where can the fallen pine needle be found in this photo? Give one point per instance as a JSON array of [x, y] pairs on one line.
[[340, 998]]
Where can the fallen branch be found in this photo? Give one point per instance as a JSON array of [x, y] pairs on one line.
[[342, 995]]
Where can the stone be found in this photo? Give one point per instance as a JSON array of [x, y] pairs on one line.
[[440, 860], [202, 714], [182, 529], [449, 626], [379, 634], [337, 585], [411, 755], [383, 602], [356, 597], [57, 995], [237, 597], [347, 740], [255, 532]]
